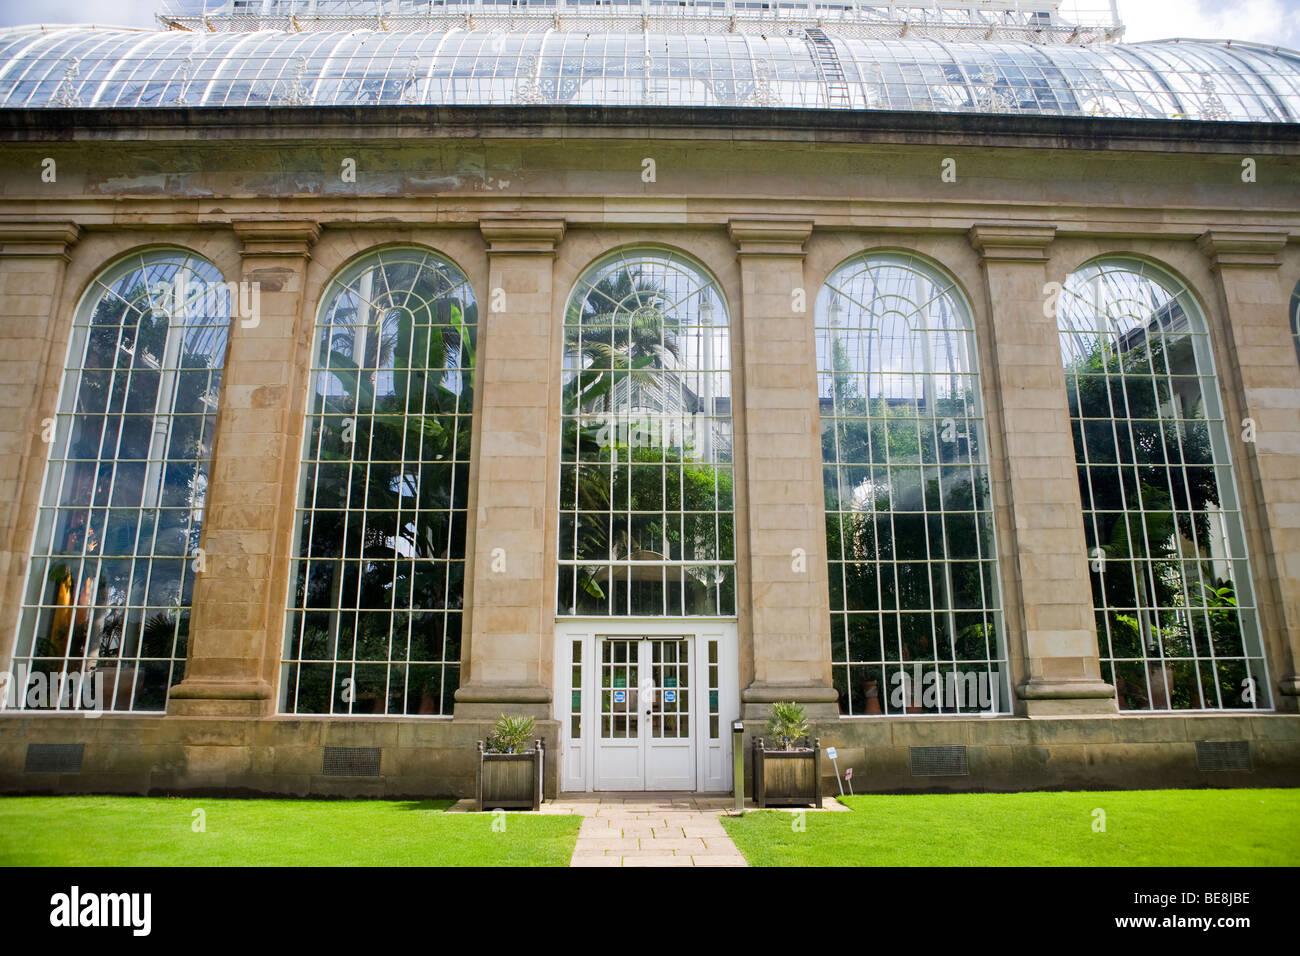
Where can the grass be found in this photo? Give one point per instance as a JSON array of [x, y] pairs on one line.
[[149, 831], [1142, 828]]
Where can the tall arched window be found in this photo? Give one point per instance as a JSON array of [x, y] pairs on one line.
[[916, 624], [646, 508], [106, 608], [1175, 610], [374, 621]]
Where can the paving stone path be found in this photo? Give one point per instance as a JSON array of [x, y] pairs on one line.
[[649, 830]]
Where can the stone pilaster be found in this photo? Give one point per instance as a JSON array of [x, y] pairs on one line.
[[789, 613], [34, 326], [1261, 368], [237, 620], [511, 571], [1062, 672]]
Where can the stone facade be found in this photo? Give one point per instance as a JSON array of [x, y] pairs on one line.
[[523, 201]]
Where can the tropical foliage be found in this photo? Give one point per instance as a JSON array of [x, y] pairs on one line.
[[633, 486], [510, 734], [787, 723]]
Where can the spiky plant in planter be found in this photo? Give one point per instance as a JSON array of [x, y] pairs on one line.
[[509, 771], [787, 723], [510, 734], [787, 775]]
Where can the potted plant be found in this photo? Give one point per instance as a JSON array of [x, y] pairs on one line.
[[508, 774], [791, 774]]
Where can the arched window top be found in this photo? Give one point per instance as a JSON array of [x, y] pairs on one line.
[[404, 278], [662, 308], [1126, 302], [110, 580], [159, 291], [876, 288], [902, 323], [646, 500], [378, 584]]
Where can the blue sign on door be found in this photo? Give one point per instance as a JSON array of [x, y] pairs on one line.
[[670, 697], [620, 696]]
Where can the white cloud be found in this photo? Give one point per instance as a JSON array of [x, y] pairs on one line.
[[1275, 22], [122, 13]]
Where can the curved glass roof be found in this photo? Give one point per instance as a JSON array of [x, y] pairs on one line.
[[1177, 79]]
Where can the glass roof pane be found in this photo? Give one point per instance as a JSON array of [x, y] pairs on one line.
[[1179, 79]]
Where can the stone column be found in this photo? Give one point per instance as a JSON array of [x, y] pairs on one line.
[[237, 620], [1261, 369], [511, 573], [1061, 663], [789, 612], [34, 327]]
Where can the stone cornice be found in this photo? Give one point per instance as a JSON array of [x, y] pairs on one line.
[[277, 238], [770, 237], [37, 239], [314, 124], [1252, 249], [522, 236], [1012, 242]]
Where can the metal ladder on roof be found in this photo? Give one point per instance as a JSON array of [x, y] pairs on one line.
[[830, 68]]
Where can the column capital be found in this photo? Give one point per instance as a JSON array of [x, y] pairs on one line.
[[1248, 248], [1012, 242], [37, 239], [770, 237], [521, 236], [277, 237]]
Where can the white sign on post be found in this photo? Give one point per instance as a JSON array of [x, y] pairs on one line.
[[830, 752]]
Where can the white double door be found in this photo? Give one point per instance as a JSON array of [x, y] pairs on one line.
[[646, 699], [647, 710]]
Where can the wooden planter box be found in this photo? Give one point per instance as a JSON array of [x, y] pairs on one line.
[[787, 777], [507, 781]]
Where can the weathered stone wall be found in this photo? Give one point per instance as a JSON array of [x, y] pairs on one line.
[[1073, 753]]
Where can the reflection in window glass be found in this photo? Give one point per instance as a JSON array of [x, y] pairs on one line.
[[374, 621], [646, 508], [1175, 610], [916, 624], [106, 608]]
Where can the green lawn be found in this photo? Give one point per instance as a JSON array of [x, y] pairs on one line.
[[1143, 828], [147, 831]]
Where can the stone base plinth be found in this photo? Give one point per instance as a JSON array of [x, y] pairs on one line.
[[435, 757]]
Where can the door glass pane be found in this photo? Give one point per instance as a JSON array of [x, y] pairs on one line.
[[670, 695], [619, 677], [575, 705]]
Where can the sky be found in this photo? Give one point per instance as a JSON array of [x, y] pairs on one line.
[[1275, 22]]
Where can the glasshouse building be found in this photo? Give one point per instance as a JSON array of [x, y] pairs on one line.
[[375, 368]]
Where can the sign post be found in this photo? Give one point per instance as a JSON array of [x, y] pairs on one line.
[[834, 754]]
